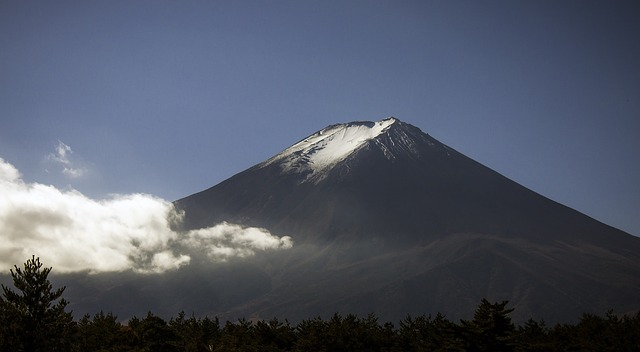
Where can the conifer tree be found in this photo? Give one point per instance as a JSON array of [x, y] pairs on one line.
[[491, 328], [31, 319]]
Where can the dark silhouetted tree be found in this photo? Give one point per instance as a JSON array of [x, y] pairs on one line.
[[34, 317], [533, 336], [274, 335], [156, 334], [237, 337], [102, 333], [425, 333], [491, 328], [348, 333], [195, 334], [312, 335]]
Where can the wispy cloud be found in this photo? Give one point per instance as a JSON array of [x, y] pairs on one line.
[[63, 157], [72, 232]]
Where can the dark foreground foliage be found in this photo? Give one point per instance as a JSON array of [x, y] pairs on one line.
[[32, 320], [491, 332]]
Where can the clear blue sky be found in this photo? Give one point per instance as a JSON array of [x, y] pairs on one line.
[[172, 97]]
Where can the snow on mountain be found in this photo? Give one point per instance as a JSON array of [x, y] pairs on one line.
[[322, 150]]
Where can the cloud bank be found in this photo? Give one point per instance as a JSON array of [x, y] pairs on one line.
[[73, 233]]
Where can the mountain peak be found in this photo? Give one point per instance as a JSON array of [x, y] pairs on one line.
[[403, 224], [324, 149]]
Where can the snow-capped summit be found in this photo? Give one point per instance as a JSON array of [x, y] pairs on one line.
[[327, 147], [315, 156]]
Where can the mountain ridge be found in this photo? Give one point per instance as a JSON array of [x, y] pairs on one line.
[[397, 197]]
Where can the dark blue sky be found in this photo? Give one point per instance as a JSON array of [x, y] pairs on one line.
[[172, 97]]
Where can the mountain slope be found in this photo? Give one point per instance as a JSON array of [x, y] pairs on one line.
[[387, 219]]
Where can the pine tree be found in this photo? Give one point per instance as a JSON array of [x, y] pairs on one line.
[[31, 319], [491, 328]]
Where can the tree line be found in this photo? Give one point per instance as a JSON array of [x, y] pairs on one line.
[[34, 318]]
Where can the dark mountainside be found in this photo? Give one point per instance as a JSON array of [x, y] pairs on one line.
[[406, 225]]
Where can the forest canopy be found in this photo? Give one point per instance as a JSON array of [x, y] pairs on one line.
[[33, 317]]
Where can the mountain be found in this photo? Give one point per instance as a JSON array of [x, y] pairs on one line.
[[387, 219]]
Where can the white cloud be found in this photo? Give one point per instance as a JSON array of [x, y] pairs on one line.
[[72, 232], [8, 173], [62, 156], [226, 240]]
